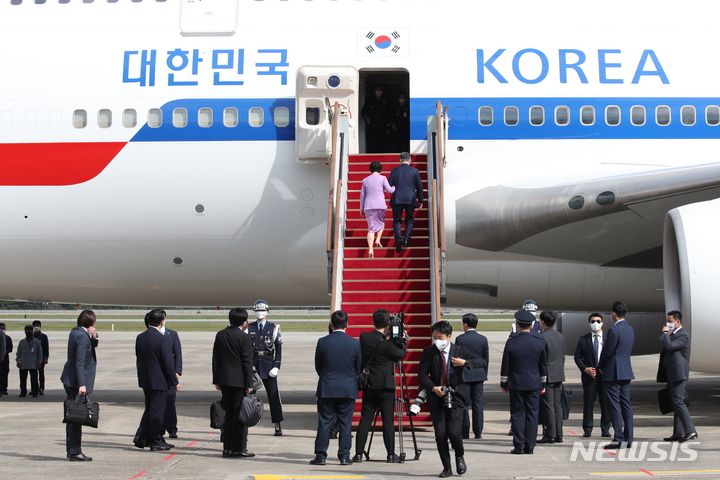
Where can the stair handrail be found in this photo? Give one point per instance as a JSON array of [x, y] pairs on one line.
[[337, 202], [437, 137]]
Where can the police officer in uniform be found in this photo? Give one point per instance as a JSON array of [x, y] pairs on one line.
[[267, 355], [523, 374]]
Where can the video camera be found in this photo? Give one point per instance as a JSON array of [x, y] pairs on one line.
[[415, 407], [396, 330]]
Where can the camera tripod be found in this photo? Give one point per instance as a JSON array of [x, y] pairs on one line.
[[401, 408]]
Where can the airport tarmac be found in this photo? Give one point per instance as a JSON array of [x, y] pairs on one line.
[[32, 437]]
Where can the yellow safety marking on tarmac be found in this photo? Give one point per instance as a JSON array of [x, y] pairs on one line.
[[653, 472]]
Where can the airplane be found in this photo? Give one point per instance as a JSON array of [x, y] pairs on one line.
[[174, 152]]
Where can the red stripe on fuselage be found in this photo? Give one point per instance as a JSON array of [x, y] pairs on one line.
[[32, 164]]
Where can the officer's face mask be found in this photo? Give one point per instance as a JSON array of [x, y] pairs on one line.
[[36, 329], [596, 327], [671, 326], [260, 314], [441, 344]]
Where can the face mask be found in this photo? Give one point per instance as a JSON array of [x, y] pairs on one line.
[[378, 94], [671, 326], [441, 344], [260, 315], [595, 327], [36, 329], [401, 101]]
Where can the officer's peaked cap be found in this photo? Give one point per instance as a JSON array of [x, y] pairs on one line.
[[524, 317]]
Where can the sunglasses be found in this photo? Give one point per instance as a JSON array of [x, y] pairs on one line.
[[595, 321]]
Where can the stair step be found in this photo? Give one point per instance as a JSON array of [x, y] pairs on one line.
[[385, 297], [361, 223], [384, 285], [386, 274], [370, 307], [419, 234], [385, 252]]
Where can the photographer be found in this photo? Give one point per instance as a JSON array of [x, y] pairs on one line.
[[379, 355], [441, 373]]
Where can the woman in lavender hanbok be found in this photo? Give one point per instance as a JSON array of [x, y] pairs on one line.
[[373, 206]]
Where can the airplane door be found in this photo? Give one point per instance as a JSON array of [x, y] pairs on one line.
[[317, 90]]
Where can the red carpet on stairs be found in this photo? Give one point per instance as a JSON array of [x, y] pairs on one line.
[[397, 282]]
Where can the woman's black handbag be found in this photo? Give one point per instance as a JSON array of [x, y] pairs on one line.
[[83, 413]]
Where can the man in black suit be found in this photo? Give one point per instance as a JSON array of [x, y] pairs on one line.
[[477, 344], [78, 376], [338, 359], [232, 371], [523, 374], [156, 376], [408, 193], [674, 368], [587, 354], [379, 356], [45, 342], [551, 400], [170, 422], [616, 370], [6, 347], [441, 374]]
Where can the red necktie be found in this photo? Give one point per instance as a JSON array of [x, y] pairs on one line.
[[443, 369]]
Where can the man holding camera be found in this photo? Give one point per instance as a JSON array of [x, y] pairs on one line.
[[441, 373], [379, 356]]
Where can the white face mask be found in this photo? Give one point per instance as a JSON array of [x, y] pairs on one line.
[[378, 94], [36, 329], [260, 314], [401, 101], [441, 344], [671, 326], [596, 327]]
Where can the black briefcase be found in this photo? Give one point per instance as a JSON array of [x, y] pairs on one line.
[[665, 402], [217, 415], [83, 413]]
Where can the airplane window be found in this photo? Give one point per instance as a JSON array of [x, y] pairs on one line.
[[39, 2], [79, 119], [129, 118], [312, 116], [687, 115], [637, 115], [612, 115], [230, 117], [6, 119], [485, 115], [180, 118], [88, 1], [256, 117], [15, 2], [562, 115], [712, 115], [281, 117], [205, 117], [576, 202], [605, 198], [112, 1], [104, 118], [537, 115], [55, 119], [662, 115], [31, 119], [511, 116], [155, 117], [587, 115], [63, 1]]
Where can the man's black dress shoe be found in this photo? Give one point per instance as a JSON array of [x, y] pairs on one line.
[[672, 438], [246, 454], [139, 442], [398, 246], [161, 447], [446, 473], [478, 436], [357, 458], [79, 457], [586, 434], [392, 458], [606, 434], [172, 435], [345, 461], [41, 393], [558, 440], [612, 445], [461, 467], [528, 451], [688, 436], [517, 451], [226, 453], [546, 440], [317, 461], [278, 430], [406, 243]]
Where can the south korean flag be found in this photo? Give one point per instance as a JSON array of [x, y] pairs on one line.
[[382, 42]]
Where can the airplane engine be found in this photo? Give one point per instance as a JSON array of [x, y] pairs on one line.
[[692, 277]]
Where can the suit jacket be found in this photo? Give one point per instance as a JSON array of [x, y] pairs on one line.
[[372, 195], [524, 362], [585, 354], [338, 359], [263, 342], [615, 357], [477, 344], [155, 364], [674, 362], [408, 185], [555, 351], [45, 344], [232, 358], [176, 349], [3, 344], [429, 374], [79, 370], [382, 368]]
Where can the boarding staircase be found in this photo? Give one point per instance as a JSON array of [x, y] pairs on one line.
[[412, 281]]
